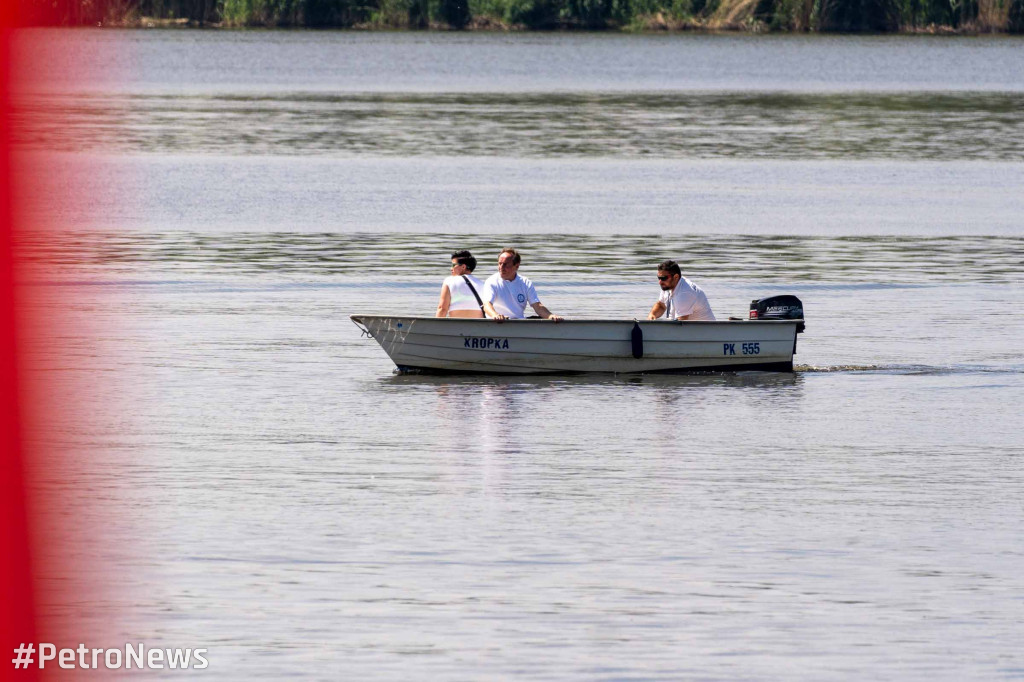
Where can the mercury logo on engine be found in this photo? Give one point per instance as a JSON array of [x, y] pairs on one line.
[[485, 343]]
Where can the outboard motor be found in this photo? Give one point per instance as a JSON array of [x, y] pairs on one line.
[[784, 307]]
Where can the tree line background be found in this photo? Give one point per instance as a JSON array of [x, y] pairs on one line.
[[754, 15]]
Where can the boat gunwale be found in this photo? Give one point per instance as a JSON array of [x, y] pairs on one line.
[[478, 320]]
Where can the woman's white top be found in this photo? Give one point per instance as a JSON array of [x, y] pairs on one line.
[[462, 297]]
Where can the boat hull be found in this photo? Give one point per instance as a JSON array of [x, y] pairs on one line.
[[483, 346]]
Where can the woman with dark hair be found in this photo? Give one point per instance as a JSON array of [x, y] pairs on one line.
[[460, 293]]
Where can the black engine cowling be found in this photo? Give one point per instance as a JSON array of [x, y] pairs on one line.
[[783, 307]]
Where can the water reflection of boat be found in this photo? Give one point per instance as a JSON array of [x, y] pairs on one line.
[[456, 384], [430, 344]]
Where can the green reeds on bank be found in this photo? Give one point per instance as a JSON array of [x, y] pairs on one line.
[[966, 16]]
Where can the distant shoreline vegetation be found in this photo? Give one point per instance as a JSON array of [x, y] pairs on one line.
[[842, 16]]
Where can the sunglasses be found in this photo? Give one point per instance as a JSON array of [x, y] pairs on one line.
[[662, 278]]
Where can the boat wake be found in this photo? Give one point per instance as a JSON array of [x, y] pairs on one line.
[[913, 369], [839, 368]]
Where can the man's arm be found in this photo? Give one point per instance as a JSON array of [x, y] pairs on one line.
[[657, 311], [542, 310], [491, 312], [487, 296], [444, 302]]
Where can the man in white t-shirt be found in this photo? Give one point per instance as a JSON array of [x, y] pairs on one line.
[[506, 294], [680, 298]]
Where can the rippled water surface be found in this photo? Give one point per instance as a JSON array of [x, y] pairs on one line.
[[982, 126], [294, 506]]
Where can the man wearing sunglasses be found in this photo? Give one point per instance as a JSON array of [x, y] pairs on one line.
[[680, 298], [506, 293]]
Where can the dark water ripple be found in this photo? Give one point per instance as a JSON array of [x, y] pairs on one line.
[[937, 126], [412, 257]]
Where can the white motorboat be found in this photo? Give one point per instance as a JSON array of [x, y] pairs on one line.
[[534, 346]]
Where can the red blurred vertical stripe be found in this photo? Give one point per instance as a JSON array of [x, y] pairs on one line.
[[43, 594], [18, 613]]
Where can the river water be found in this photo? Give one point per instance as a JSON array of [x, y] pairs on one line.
[[303, 512]]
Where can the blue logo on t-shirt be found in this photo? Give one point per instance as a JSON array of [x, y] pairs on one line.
[[521, 298]]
